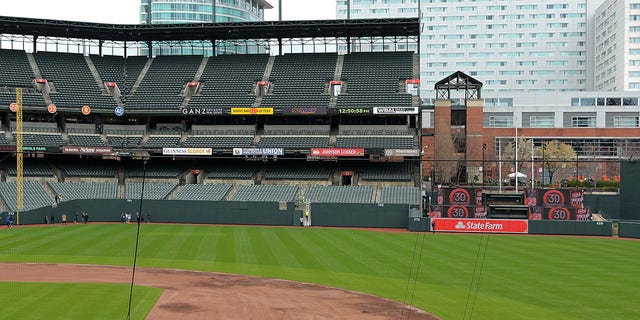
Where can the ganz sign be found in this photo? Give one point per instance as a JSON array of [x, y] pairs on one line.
[[482, 225], [201, 111]]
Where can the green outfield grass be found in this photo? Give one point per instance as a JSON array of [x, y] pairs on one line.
[[521, 277], [64, 301]]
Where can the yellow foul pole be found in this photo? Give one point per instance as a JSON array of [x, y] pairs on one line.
[[19, 159]]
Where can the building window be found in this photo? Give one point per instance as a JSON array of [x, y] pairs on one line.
[[625, 122], [500, 121], [541, 121], [583, 122]]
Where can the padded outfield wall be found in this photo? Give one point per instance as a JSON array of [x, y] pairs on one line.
[[229, 212]]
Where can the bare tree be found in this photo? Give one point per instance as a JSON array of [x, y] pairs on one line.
[[554, 154], [524, 152]]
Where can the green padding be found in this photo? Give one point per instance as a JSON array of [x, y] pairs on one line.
[[629, 229], [583, 228], [608, 205], [228, 212]]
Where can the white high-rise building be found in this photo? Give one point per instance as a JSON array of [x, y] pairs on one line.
[[510, 46], [617, 46]]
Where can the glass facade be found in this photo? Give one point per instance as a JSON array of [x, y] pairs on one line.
[[197, 11]]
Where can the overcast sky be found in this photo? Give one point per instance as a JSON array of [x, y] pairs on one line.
[[127, 11]]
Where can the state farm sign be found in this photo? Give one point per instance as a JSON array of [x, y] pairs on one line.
[[482, 225]]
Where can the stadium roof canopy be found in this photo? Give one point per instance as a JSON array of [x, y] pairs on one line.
[[402, 27]]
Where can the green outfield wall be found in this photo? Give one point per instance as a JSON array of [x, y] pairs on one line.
[[582, 228], [227, 212], [629, 229]]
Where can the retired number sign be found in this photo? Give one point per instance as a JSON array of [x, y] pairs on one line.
[[559, 214], [458, 212], [459, 196], [553, 198]]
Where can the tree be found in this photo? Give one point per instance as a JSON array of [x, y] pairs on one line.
[[554, 154], [524, 152]]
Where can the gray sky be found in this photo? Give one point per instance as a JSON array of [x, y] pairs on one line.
[[127, 11]]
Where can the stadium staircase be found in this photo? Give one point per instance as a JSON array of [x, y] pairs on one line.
[[196, 78], [231, 193], [141, 76], [38, 75]]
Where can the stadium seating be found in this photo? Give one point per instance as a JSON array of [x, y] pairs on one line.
[[163, 83], [217, 142], [124, 141], [90, 169], [85, 190], [154, 190], [74, 83], [265, 193], [377, 142], [292, 137], [372, 79], [203, 192], [123, 71], [16, 71], [386, 172], [299, 171], [31, 167], [228, 80], [230, 170], [3, 138], [156, 169], [34, 195], [91, 140], [405, 195], [299, 80], [162, 141], [339, 194], [41, 139]]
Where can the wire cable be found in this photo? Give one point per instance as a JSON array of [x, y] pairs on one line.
[[135, 253]]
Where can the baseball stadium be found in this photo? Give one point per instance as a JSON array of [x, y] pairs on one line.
[[291, 170]]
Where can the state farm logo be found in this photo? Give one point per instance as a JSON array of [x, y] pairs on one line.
[[460, 225]]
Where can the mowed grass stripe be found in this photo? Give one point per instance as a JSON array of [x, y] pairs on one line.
[[522, 277], [63, 301]]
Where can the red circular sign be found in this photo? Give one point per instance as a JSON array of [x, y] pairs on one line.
[[459, 196], [458, 212], [13, 107], [559, 214], [553, 198], [86, 110], [52, 108]]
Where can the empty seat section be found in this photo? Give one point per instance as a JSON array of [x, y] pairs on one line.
[[385, 171], [75, 85], [299, 171], [162, 141], [89, 168], [230, 170], [376, 142], [16, 70], [372, 79], [406, 195], [41, 139], [218, 142], [123, 71], [157, 191], [93, 140], [228, 81], [339, 194], [124, 141], [203, 192], [85, 190], [265, 193], [30, 167], [163, 83], [156, 169], [34, 195], [299, 80]]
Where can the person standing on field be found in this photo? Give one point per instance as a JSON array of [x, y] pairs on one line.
[[64, 218]]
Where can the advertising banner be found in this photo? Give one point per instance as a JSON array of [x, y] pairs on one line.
[[258, 151], [353, 111], [308, 110], [201, 111], [395, 110], [86, 150], [481, 225], [337, 152], [255, 111], [187, 151], [401, 152]]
